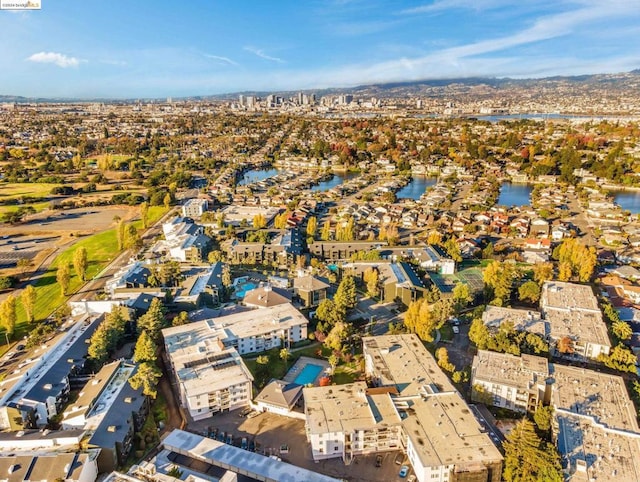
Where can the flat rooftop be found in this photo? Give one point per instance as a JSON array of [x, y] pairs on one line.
[[516, 371], [403, 361], [572, 310], [347, 408], [238, 460], [603, 454], [598, 395], [443, 431], [201, 363], [242, 324], [523, 320]]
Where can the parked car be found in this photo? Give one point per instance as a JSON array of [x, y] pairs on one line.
[[221, 436], [229, 439], [399, 459], [379, 461], [252, 446], [456, 330], [244, 444], [404, 470]]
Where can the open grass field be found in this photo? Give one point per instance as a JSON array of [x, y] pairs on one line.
[[17, 191], [101, 248]]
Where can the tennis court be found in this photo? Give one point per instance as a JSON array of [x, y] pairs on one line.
[[446, 282]]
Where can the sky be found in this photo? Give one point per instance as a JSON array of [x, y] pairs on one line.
[[146, 49]]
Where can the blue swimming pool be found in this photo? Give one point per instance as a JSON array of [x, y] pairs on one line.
[[308, 374], [243, 288]]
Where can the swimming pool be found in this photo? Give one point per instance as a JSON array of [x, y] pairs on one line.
[[308, 374], [243, 288]]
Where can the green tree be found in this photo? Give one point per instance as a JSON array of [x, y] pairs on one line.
[[329, 313], [8, 316], [146, 377], [226, 276], [153, 320], [63, 277], [145, 350], [346, 296], [80, 262], [498, 279], [529, 291], [285, 354], [120, 233], [28, 298], [181, 319], [131, 237], [528, 458], [99, 345]]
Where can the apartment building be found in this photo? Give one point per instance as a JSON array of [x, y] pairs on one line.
[[414, 408], [251, 331], [210, 376], [571, 310], [509, 381], [522, 320], [347, 420], [194, 208]]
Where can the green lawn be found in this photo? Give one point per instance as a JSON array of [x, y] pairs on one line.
[[16, 190], [101, 249]]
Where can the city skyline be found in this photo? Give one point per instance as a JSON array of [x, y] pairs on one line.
[[158, 49]]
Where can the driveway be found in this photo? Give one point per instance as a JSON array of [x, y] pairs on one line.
[[381, 314]]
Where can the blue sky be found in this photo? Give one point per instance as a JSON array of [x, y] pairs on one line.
[[144, 48]]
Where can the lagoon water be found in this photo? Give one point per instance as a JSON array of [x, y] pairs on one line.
[[337, 179], [514, 194], [255, 175], [628, 200], [416, 187]]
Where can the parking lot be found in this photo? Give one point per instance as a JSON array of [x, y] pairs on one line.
[[269, 432]]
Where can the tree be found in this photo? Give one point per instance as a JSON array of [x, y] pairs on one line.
[[63, 277], [564, 271], [543, 417], [167, 204], [8, 316], [99, 345], [145, 350], [262, 360], [131, 237], [622, 330], [620, 358], [461, 295], [285, 354], [259, 221], [153, 320], [214, 256], [226, 276], [22, 264], [479, 333], [530, 291], [419, 319], [346, 296], [325, 234], [120, 230], [452, 248], [337, 337], [434, 238], [565, 345], [312, 226], [333, 361], [146, 377], [181, 319], [80, 262], [528, 458], [175, 472], [371, 278], [542, 272], [28, 298], [329, 313], [498, 278], [144, 214], [442, 355]]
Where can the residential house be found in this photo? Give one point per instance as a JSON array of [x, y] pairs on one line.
[[310, 289]]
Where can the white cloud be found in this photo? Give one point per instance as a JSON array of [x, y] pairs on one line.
[[225, 60], [56, 58], [260, 53]]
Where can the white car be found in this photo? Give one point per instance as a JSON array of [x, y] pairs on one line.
[[456, 330]]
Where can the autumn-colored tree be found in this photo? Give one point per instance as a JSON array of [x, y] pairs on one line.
[[63, 277], [442, 355], [144, 214], [8, 314], [542, 272], [371, 277], [529, 291], [565, 345], [28, 299], [312, 226], [80, 262]]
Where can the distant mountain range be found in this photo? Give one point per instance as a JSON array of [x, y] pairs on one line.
[[616, 82]]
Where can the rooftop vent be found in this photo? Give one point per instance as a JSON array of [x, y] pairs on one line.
[[112, 428]]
